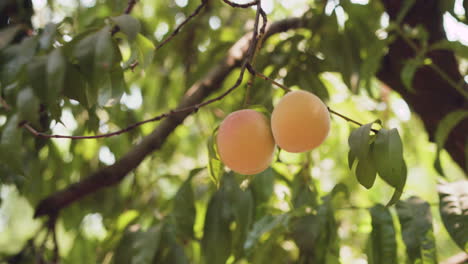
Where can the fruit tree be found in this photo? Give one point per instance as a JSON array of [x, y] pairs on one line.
[[233, 131]]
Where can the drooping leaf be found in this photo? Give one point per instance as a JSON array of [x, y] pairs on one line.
[[15, 57], [408, 71], [128, 25], [262, 186], [215, 166], [28, 106], [304, 192], [366, 172], [75, 85], [11, 145], [184, 211], [47, 37], [36, 69], [216, 233], [453, 208], [170, 251], [381, 246], [359, 143], [387, 155], [138, 247], [8, 34], [359, 140], [144, 50], [56, 69], [415, 219], [97, 56], [264, 225], [445, 126]]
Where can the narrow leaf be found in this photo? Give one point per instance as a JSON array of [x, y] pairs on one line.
[[415, 219], [28, 106], [454, 211], [217, 238], [366, 172], [408, 71], [388, 157], [184, 211], [447, 124], [359, 141], [264, 225], [56, 69], [382, 247], [144, 49], [8, 34]]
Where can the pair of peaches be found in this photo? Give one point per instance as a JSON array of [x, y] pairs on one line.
[[246, 140]]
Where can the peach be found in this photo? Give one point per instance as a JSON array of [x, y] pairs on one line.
[[245, 143], [300, 122]]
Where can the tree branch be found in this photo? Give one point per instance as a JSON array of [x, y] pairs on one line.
[[113, 174]]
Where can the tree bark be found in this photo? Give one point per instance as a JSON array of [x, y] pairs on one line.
[[433, 97]]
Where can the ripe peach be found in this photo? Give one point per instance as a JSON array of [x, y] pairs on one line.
[[245, 143], [300, 122]]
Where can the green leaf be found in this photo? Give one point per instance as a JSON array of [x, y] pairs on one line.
[[359, 140], [128, 25], [388, 156], [14, 58], [215, 166], [82, 251], [11, 145], [47, 37], [262, 186], [56, 71], [243, 210], [8, 34], [75, 85], [304, 193], [138, 247], [217, 238], [415, 219], [266, 224], [170, 250], [455, 46], [453, 208], [445, 126], [408, 71], [382, 247], [28, 106], [97, 56], [184, 211], [366, 172], [144, 50], [36, 73]]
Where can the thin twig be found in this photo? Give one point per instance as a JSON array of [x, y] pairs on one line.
[[246, 5], [255, 73], [131, 4], [177, 29], [266, 78], [349, 119]]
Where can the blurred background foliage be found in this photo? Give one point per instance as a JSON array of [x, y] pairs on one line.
[[306, 208]]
